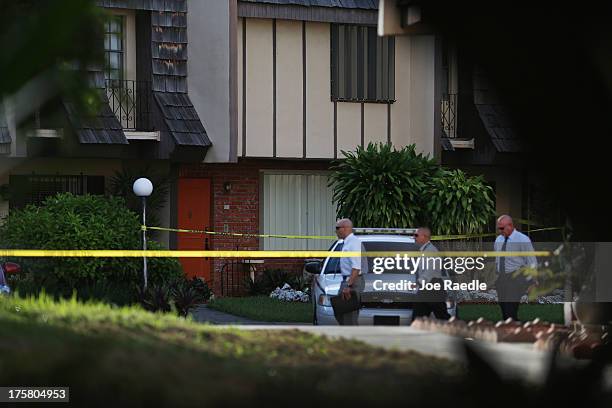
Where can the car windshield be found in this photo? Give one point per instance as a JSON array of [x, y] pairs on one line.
[[385, 246], [333, 264]]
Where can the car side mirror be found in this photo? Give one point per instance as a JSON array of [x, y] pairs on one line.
[[313, 267], [11, 268]]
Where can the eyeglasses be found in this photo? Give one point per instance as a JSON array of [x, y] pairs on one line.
[[337, 228]]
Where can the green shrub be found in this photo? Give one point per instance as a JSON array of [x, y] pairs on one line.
[[458, 203], [81, 222], [380, 186]]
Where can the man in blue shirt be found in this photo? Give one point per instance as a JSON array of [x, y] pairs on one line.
[[351, 268], [511, 288]]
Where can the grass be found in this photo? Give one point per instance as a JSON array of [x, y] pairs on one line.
[[265, 309], [111, 356], [552, 313]]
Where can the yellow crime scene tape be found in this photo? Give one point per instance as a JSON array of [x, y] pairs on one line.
[[126, 253], [238, 234], [322, 237], [121, 253]]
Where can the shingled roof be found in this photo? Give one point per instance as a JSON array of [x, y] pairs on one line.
[[446, 144], [182, 119], [348, 4], [168, 80], [102, 128], [494, 116]]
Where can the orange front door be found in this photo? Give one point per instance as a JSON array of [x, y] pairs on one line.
[[194, 213]]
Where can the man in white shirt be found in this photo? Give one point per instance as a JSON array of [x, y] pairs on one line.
[[351, 268], [511, 288]]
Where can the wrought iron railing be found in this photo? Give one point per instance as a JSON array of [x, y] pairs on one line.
[[448, 115], [35, 188], [130, 101]]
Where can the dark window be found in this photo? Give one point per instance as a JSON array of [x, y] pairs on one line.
[[34, 189], [362, 64], [113, 48], [333, 264]]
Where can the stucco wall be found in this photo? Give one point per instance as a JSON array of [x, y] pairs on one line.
[[208, 80], [303, 54]]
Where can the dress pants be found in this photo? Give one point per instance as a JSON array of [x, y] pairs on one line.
[[431, 301], [510, 290], [352, 318]]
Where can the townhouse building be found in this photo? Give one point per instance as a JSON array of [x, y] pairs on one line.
[[245, 104]]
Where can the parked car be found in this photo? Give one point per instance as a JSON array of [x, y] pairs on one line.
[[7, 268], [378, 307]]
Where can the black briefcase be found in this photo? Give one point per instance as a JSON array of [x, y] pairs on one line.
[[342, 306]]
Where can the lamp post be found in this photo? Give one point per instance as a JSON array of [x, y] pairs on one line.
[[143, 188]]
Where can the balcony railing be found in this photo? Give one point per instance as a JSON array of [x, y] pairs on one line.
[[448, 112], [130, 101]]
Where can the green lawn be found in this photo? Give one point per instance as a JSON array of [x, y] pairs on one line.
[[264, 308], [549, 313], [119, 356]]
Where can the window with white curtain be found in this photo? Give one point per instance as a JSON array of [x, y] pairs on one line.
[[114, 47], [297, 204]]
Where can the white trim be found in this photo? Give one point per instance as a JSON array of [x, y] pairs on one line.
[[141, 135], [462, 143], [46, 133], [289, 171]]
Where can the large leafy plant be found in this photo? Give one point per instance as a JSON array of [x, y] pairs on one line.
[[81, 222], [458, 203], [381, 186]]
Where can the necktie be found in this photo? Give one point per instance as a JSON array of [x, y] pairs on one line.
[[502, 260]]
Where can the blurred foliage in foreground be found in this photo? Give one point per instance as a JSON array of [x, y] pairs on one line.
[[47, 48], [119, 356]]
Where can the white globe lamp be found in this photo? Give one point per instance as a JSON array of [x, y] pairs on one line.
[[143, 188]]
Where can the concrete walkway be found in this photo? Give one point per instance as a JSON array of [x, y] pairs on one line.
[[204, 314]]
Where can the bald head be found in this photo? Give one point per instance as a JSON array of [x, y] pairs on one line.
[[422, 236], [505, 225], [506, 218], [344, 228]]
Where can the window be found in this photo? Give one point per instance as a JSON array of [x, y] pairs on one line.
[[333, 264], [363, 64], [34, 189], [297, 204], [114, 47]]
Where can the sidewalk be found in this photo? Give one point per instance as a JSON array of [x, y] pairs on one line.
[[203, 314]]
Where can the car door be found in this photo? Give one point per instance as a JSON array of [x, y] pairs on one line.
[[330, 277]]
